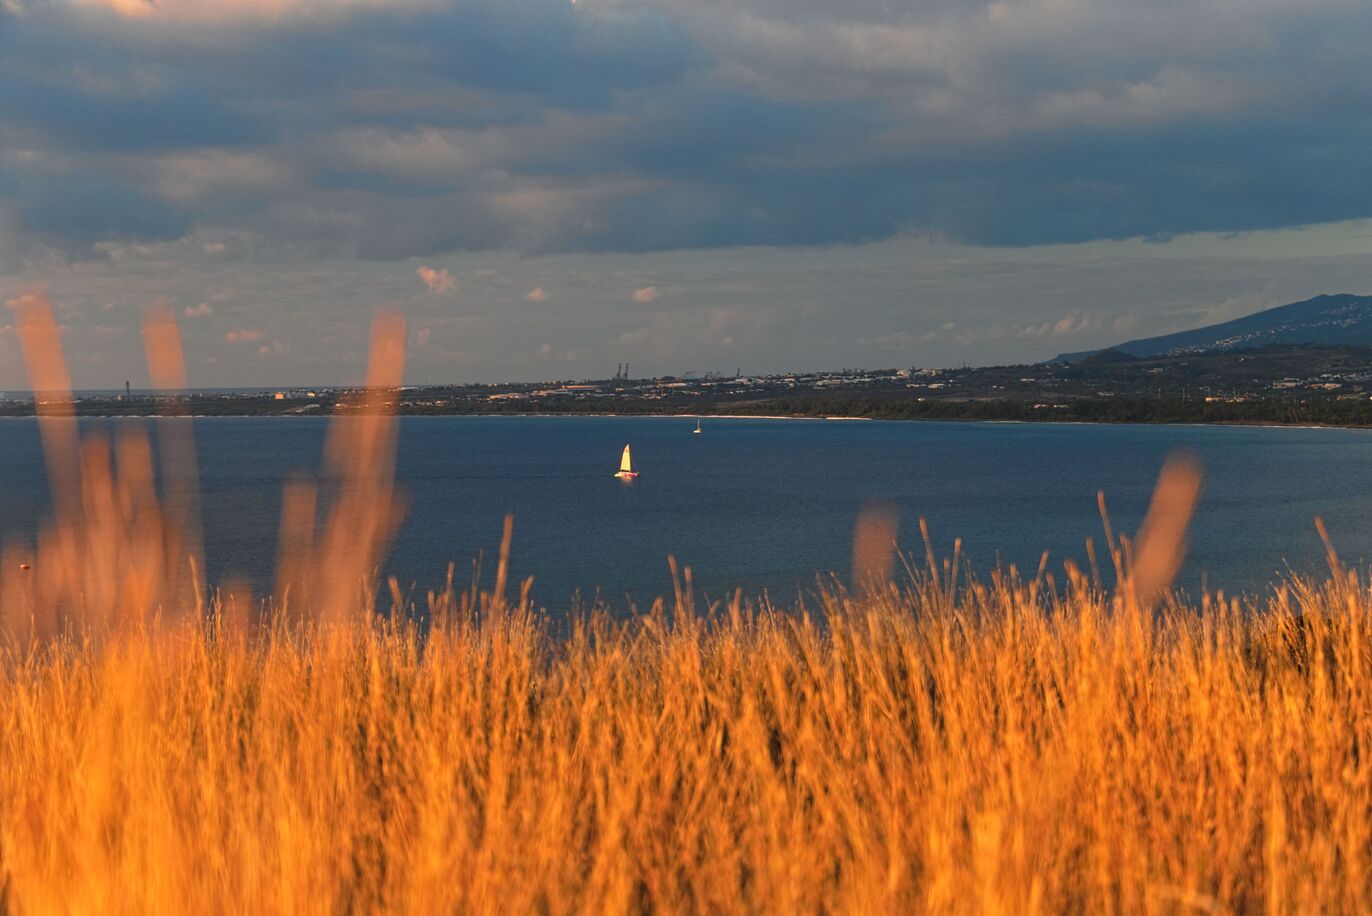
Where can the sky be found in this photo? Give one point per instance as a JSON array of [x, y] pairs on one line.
[[549, 188]]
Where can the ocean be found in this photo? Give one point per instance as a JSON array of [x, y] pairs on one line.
[[760, 504]]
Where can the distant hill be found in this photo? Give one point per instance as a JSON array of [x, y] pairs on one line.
[[1108, 355], [1343, 319]]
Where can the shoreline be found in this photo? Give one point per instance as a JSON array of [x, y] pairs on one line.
[[1268, 424]]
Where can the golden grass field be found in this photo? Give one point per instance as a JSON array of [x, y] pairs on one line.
[[1079, 742]]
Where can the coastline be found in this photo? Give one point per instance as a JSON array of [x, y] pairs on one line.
[[1217, 424]]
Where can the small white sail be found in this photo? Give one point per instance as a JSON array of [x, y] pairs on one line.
[[626, 465]]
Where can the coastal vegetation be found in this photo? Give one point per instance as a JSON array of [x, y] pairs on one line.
[[1272, 410], [911, 739]]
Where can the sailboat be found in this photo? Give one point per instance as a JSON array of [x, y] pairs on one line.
[[626, 467], [697, 430]]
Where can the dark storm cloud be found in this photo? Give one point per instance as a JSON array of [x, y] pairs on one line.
[[174, 118], [320, 128], [82, 212], [1241, 175], [550, 50]]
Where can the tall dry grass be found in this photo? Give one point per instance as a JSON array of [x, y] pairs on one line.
[[918, 744]]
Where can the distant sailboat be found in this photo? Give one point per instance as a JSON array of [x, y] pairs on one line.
[[626, 466], [697, 426]]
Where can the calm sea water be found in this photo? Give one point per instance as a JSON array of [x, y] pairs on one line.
[[765, 504]]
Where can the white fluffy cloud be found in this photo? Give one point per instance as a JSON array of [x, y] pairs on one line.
[[438, 281]]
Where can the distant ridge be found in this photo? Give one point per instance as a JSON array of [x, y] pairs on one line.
[[1344, 319]]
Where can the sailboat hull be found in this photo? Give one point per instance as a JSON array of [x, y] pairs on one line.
[[626, 475]]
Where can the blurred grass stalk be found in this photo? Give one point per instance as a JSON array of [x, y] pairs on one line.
[[909, 744]]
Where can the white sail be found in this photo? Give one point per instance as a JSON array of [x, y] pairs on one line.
[[626, 466]]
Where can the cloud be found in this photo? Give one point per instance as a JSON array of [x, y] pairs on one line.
[[202, 310], [438, 281], [896, 341], [537, 294], [243, 336], [1069, 325], [786, 310], [1072, 324], [420, 128], [74, 216], [135, 9], [645, 294], [233, 10], [635, 338], [696, 332]]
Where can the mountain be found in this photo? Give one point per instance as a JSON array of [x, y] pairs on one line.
[[1341, 319]]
